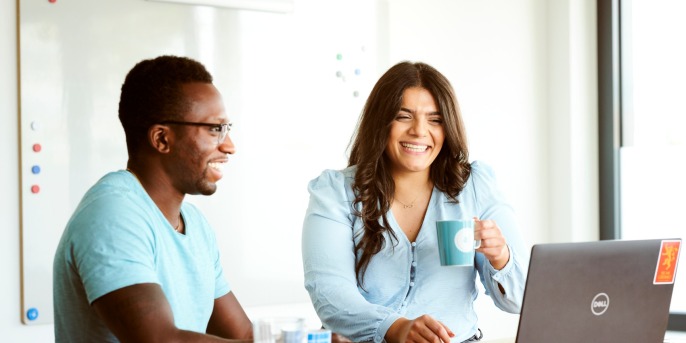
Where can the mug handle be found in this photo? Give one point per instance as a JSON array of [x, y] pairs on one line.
[[477, 242]]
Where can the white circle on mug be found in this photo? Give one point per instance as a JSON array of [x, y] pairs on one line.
[[464, 240]]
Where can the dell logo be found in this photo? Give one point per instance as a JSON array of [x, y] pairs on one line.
[[600, 304]]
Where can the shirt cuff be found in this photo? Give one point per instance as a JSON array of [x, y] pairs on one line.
[[499, 275], [384, 326]]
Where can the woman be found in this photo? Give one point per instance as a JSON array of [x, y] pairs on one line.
[[369, 240]]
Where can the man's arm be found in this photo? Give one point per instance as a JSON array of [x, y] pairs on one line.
[[141, 313], [228, 319]]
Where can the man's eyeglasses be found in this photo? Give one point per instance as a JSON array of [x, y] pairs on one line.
[[220, 130]]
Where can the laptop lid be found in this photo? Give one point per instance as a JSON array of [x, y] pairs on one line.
[[605, 291]]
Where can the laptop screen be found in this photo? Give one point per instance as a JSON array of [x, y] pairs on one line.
[[604, 291]]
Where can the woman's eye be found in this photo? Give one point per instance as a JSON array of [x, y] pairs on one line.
[[437, 120], [402, 116]]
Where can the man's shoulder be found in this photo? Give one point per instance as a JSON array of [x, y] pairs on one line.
[[114, 192], [119, 179], [115, 183]]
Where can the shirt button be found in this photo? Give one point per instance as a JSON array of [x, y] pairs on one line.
[[414, 244], [411, 284], [405, 303], [414, 264]]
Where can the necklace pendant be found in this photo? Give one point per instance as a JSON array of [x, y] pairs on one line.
[[408, 206]]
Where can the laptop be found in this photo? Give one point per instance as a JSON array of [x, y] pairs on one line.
[[604, 291]]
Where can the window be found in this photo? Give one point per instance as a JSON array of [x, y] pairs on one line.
[[642, 122]]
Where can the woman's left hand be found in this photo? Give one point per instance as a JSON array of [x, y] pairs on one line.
[[493, 244]]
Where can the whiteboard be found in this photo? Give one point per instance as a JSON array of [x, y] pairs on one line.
[[293, 84]]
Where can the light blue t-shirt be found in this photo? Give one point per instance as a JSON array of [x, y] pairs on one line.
[[118, 237], [406, 279]]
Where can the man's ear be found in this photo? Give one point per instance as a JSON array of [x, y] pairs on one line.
[[159, 137]]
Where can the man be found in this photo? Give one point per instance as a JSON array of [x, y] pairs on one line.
[[136, 263]]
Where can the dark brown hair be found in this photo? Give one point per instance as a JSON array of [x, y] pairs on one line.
[[373, 185]]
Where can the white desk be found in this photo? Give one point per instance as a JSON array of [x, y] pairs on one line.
[[670, 337], [675, 337]]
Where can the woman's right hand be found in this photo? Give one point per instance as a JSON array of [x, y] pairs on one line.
[[419, 330]]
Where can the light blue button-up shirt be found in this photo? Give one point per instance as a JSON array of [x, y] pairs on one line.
[[404, 279]]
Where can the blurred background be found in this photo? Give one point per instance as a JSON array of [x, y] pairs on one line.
[[294, 74]]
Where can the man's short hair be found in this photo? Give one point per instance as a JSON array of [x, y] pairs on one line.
[[152, 93]]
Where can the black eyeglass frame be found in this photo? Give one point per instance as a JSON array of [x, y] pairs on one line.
[[222, 129]]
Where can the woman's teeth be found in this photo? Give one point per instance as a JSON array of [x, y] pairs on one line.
[[414, 147]]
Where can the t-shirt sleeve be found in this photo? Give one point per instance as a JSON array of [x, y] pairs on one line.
[[222, 286], [115, 246]]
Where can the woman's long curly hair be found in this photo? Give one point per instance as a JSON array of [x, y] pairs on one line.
[[373, 186]]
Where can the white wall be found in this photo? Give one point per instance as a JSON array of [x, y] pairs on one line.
[[524, 72]]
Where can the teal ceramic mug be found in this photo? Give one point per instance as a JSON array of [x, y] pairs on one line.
[[456, 242]]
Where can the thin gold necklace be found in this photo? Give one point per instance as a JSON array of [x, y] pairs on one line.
[[178, 224], [410, 205]]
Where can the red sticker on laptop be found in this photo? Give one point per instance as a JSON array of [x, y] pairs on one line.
[[665, 272]]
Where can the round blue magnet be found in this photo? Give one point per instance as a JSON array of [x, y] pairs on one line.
[[32, 314]]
